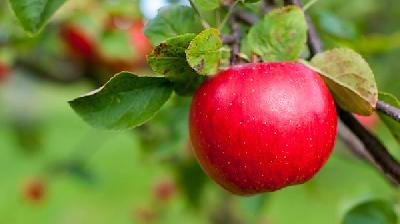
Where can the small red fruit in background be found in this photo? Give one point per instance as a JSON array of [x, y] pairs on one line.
[[3, 71], [139, 40], [263, 126], [34, 190], [79, 42], [164, 190], [145, 215], [368, 121]]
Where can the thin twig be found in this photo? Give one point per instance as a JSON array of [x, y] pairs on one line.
[[228, 39], [389, 110], [309, 4], [235, 46], [228, 15], [289, 2], [245, 17], [197, 11]]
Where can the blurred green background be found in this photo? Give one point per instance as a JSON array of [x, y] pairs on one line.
[[148, 175]]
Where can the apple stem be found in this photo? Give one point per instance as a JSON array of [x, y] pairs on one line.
[[268, 5]]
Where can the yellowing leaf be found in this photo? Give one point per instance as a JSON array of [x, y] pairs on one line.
[[349, 78], [204, 52]]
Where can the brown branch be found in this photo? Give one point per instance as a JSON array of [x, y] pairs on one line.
[[228, 39], [268, 5], [235, 46], [389, 110], [357, 148], [373, 146], [245, 17], [379, 154]]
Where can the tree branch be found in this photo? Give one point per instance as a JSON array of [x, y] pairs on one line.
[[245, 17], [268, 5], [228, 39], [389, 110], [373, 146], [235, 46]]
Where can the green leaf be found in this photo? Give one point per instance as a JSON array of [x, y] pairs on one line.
[[350, 79], [280, 36], [169, 59], [124, 102], [334, 25], [172, 21], [371, 212], [393, 125], [207, 5], [204, 52], [33, 14]]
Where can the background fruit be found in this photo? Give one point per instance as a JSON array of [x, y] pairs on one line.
[[34, 190], [164, 190], [368, 121], [79, 42], [3, 71]]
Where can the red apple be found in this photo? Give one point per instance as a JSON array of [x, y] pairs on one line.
[[79, 42], [263, 126], [34, 190]]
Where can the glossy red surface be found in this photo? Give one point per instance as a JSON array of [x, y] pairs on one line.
[[260, 127]]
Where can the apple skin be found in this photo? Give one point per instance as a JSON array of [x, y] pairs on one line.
[[263, 126]]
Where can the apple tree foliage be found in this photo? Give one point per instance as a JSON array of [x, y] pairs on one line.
[[189, 46]]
